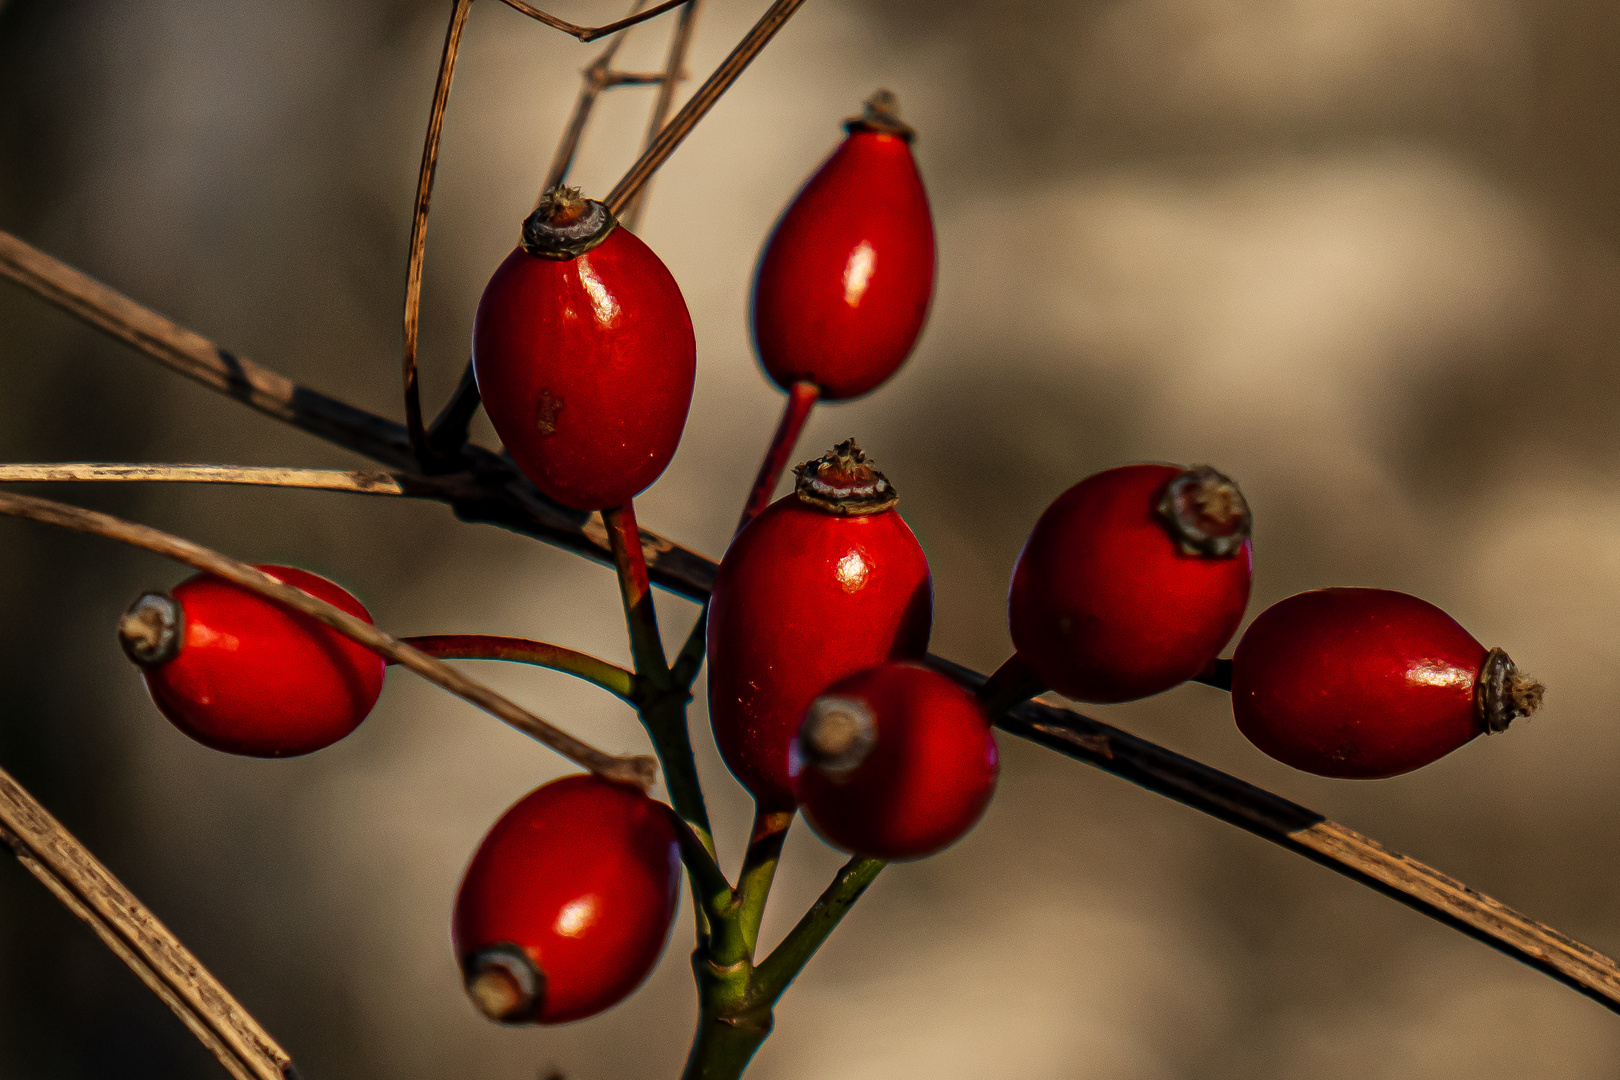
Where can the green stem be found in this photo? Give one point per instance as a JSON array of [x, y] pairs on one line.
[[610, 677], [710, 888], [646, 646], [759, 870], [779, 969], [724, 1045]]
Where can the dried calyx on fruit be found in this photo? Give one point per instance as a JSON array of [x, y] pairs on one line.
[[881, 113], [844, 481], [566, 224], [1503, 694], [1206, 513]]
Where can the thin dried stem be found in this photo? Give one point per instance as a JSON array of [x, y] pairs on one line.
[[89, 890], [419, 219], [364, 482], [700, 103], [591, 33], [597, 76], [680, 44], [638, 771]]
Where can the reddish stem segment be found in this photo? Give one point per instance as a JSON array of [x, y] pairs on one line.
[[800, 400], [624, 535], [609, 677]]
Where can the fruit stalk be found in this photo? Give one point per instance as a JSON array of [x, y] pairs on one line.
[[801, 399], [610, 677]]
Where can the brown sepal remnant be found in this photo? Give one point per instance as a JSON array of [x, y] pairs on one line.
[[882, 115], [843, 481], [151, 630], [1503, 694], [1206, 513], [505, 984], [566, 225]]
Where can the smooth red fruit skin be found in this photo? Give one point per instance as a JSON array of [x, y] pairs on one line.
[[843, 285], [1356, 683], [253, 678], [803, 598], [583, 874], [927, 779], [586, 368], [1106, 607]]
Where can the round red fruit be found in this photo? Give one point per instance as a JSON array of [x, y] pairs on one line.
[[1368, 683], [239, 673], [584, 355], [1132, 581], [843, 285], [567, 905], [897, 762], [825, 582]]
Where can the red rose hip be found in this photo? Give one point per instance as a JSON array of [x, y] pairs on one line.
[[567, 905], [1368, 683], [1132, 581], [896, 762], [844, 282], [825, 582], [584, 355], [239, 673]]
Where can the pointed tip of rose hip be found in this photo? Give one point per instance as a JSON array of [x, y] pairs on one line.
[[150, 630], [881, 113], [1206, 513], [844, 481], [566, 224], [505, 984], [1503, 694]]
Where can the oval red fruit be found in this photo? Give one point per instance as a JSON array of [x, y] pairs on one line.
[[1368, 683], [843, 285], [1132, 581], [585, 359], [825, 582], [567, 904], [239, 673], [896, 762]]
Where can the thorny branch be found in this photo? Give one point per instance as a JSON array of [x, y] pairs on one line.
[[1190, 782], [89, 890]]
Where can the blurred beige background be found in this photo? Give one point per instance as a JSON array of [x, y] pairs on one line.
[[1362, 254]]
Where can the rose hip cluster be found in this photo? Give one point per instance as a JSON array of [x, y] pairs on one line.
[[820, 698]]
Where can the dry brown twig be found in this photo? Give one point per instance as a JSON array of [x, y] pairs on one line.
[[89, 890]]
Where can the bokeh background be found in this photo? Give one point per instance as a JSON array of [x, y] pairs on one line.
[[1364, 255]]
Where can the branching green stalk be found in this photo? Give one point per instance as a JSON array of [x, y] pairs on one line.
[[778, 970], [759, 870], [610, 677]]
